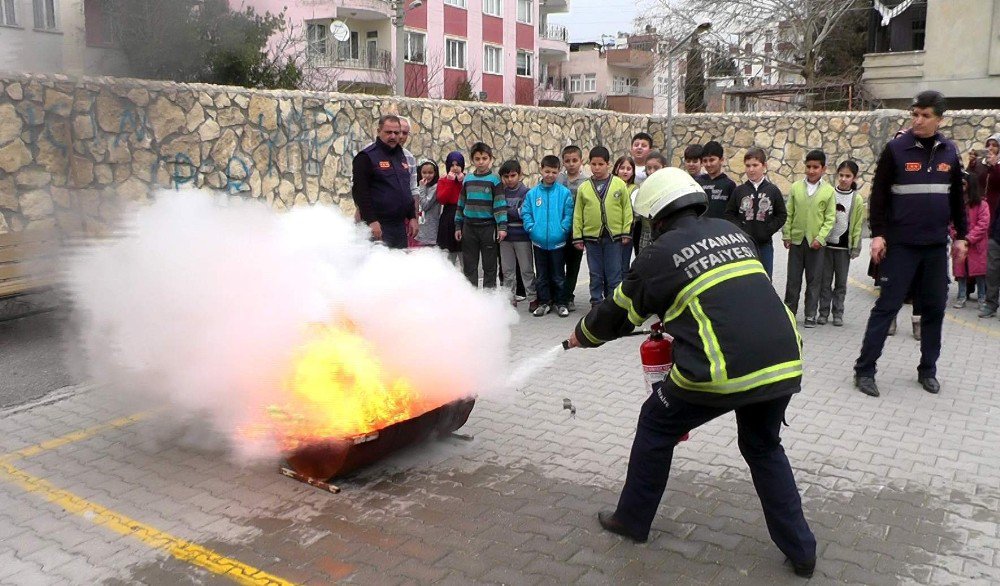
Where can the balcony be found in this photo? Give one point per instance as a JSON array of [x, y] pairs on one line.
[[551, 90], [893, 75], [379, 60], [553, 42], [631, 100], [554, 6], [629, 58], [363, 9]]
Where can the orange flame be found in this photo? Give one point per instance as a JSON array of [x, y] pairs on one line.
[[338, 389]]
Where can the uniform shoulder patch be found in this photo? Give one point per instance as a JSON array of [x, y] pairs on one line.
[[913, 166], [384, 165], [944, 167]]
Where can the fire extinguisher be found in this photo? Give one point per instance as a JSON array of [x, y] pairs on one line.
[[657, 355]]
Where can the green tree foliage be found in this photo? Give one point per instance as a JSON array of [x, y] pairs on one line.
[[202, 41]]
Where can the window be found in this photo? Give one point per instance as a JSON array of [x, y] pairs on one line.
[[7, 15], [459, 3], [493, 60], [414, 50], [575, 84], [525, 11], [493, 7], [316, 34], [919, 28], [454, 54], [45, 14], [351, 48], [98, 28], [525, 62], [590, 83], [662, 85], [624, 85]]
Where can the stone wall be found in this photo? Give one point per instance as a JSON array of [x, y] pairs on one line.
[[73, 152]]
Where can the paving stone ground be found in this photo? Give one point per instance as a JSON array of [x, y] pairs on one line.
[[899, 490]]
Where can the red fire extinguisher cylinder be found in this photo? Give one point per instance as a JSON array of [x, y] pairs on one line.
[[657, 355]]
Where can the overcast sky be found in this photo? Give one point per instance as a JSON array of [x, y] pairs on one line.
[[587, 20]]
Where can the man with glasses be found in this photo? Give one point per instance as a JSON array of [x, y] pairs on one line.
[[384, 185]]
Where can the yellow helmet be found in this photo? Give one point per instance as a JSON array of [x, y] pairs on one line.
[[666, 191]]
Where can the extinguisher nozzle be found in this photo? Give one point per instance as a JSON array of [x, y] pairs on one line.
[[565, 344]]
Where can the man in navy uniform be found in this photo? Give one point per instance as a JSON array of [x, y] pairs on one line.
[[735, 348], [381, 187], [916, 194]]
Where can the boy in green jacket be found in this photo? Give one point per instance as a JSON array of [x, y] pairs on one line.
[[812, 211], [602, 223]]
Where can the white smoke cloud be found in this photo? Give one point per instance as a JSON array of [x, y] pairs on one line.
[[203, 301]]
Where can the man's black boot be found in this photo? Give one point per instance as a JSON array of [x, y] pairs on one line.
[[930, 384], [610, 523], [866, 384], [804, 569]]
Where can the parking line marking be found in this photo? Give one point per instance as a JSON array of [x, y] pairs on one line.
[[180, 549], [973, 326], [75, 436]]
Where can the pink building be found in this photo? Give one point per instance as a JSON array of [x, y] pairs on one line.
[[498, 49]]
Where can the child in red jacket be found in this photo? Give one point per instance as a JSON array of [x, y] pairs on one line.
[[973, 268], [449, 188]]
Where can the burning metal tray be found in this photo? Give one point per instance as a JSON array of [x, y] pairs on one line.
[[325, 460]]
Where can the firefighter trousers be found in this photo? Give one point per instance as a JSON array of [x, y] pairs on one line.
[[659, 429]]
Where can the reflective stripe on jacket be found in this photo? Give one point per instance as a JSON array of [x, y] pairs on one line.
[[734, 341]]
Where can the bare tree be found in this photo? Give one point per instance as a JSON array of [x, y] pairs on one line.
[[797, 28]]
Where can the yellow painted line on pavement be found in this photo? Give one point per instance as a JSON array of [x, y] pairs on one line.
[[180, 549], [76, 436], [968, 324]]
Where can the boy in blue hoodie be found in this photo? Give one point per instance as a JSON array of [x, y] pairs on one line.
[[547, 213]]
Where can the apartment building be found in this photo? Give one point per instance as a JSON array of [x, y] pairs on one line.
[[490, 50], [57, 36]]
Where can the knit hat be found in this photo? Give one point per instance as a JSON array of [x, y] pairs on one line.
[[454, 158], [712, 149]]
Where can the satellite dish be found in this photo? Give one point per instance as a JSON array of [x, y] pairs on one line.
[[339, 31]]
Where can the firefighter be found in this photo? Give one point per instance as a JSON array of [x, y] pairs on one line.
[[735, 349]]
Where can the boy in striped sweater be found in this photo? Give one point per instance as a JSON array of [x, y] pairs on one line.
[[481, 218]]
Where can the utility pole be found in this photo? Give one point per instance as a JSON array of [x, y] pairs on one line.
[[399, 53]]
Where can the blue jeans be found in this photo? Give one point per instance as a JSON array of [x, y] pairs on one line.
[[604, 259], [922, 270], [550, 276], [964, 290], [766, 254], [758, 427]]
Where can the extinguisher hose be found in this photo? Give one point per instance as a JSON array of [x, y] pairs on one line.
[[565, 343]]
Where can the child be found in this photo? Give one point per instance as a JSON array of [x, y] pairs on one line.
[[515, 250], [692, 160], [625, 169], [974, 266], [758, 207], [642, 234], [602, 222], [572, 178], [812, 210], [842, 245], [642, 145], [449, 188], [428, 208], [548, 218], [481, 218], [718, 186]]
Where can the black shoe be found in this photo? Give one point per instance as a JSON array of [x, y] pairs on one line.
[[821, 320], [804, 569], [609, 523], [866, 384], [930, 384], [810, 322]]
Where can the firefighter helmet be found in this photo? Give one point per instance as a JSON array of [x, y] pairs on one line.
[[667, 191]]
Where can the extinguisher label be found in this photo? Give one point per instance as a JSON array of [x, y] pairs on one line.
[[656, 373]]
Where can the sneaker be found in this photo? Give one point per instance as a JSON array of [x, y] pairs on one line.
[[810, 322], [571, 305], [821, 320], [533, 305], [838, 321], [960, 304], [542, 310], [519, 298], [985, 311], [562, 311]]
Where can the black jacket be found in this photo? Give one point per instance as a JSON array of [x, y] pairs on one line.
[[759, 212], [735, 343], [718, 191]]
